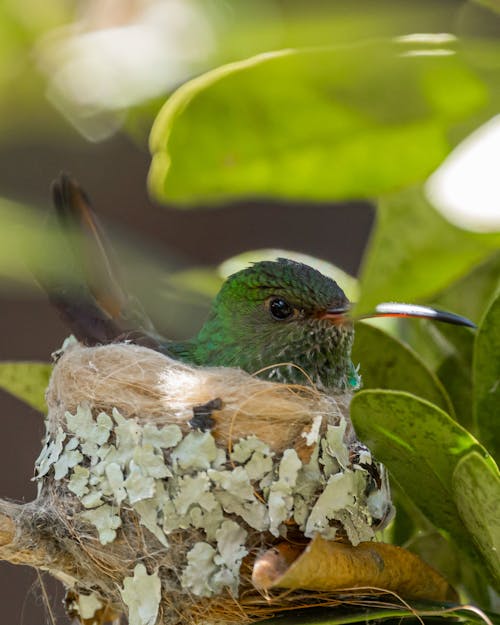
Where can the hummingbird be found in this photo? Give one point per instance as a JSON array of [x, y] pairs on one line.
[[281, 319]]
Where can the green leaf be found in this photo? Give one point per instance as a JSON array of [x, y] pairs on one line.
[[241, 261], [389, 364], [476, 489], [471, 294], [447, 351], [26, 381], [456, 378], [494, 5], [427, 612], [415, 253], [432, 547], [421, 446], [27, 242], [329, 123], [486, 378]]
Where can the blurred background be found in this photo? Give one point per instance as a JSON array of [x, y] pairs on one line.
[[80, 86]]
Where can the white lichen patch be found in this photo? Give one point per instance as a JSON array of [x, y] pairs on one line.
[[193, 490], [50, 453], [231, 551], [116, 481], [210, 570], [312, 435], [197, 451], [234, 482], [163, 438], [79, 480], [148, 515], [138, 484], [280, 498], [208, 521], [245, 447], [200, 569], [87, 606], [338, 501], [92, 433], [334, 443], [105, 520], [142, 594], [188, 483]]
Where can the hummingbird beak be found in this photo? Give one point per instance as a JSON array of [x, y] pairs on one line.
[[395, 309], [337, 314], [342, 313]]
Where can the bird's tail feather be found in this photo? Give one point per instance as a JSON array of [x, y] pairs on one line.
[[89, 297]]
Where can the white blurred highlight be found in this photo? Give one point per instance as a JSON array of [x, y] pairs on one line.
[[426, 43], [432, 52], [431, 38], [93, 72], [466, 188]]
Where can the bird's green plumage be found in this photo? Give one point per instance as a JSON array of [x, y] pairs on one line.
[[241, 331]]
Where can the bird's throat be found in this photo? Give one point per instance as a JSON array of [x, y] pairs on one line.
[[320, 358]]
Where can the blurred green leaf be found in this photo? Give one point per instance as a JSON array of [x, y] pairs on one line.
[[28, 244], [432, 547], [471, 294], [348, 284], [476, 489], [494, 5], [407, 520], [26, 381], [414, 252], [387, 363], [486, 376], [247, 28], [23, 105], [421, 446], [447, 351], [243, 29], [202, 281], [353, 121], [455, 375]]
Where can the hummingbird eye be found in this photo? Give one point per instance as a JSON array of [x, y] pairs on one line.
[[280, 309]]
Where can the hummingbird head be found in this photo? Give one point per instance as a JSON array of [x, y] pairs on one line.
[[288, 322], [286, 319]]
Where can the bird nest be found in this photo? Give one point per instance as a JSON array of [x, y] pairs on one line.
[[180, 494]]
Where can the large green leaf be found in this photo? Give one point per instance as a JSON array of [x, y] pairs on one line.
[[27, 381], [353, 121], [331, 124], [421, 446], [486, 375], [389, 364], [476, 489]]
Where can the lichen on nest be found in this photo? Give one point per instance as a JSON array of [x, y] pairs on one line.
[[154, 510]]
